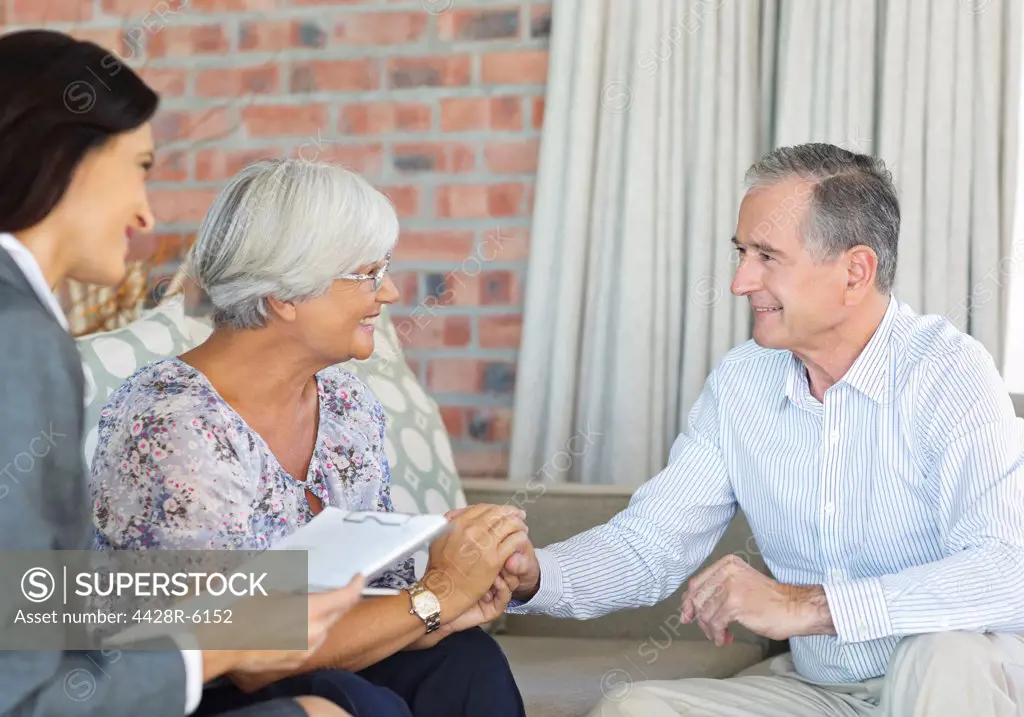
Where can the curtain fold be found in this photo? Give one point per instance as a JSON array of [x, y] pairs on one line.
[[654, 112]]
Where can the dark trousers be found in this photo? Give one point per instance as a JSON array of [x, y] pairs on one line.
[[464, 675]]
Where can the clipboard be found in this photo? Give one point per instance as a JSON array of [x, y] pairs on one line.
[[341, 543]]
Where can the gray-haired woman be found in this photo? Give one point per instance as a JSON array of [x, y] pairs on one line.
[[240, 441]]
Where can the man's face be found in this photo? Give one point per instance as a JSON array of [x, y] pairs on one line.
[[796, 300]]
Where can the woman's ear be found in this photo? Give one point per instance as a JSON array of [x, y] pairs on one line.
[[285, 310]]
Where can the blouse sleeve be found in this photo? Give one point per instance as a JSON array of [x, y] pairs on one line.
[[168, 478]]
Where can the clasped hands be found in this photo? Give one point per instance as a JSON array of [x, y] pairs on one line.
[[730, 590]]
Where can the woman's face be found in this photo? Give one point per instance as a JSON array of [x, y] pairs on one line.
[[340, 324], [105, 200]]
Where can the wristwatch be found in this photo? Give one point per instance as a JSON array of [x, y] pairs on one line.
[[425, 605]]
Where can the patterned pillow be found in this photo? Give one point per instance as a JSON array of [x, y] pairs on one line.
[[108, 358], [423, 474]]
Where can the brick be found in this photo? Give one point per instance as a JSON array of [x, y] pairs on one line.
[[499, 287], [238, 81], [407, 283], [456, 288], [504, 244], [165, 82], [381, 28], [181, 205], [312, 3], [537, 113], [187, 41], [217, 164], [33, 12], [517, 67], [513, 157], [145, 246], [202, 125], [405, 199], [540, 21], [205, 6], [148, 9], [274, 120], [481, 464], [424, 330], [170, 167], [499, 378], [462, 114], [365, 159], [449, 71], [385, 118], [434, 245], [446, 157], [454, 418], [490, 424], [455, 376], [279, 35], [477, 201], [335, 76], [479, 24], [501, 332], [506, 113], [109, 38]]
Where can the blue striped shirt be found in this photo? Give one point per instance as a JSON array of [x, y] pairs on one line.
[[902, 494]]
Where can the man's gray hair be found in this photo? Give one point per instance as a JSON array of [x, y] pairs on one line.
[[853, 201], [286, 228]]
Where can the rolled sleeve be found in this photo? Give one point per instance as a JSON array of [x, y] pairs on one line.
[[859, 610]]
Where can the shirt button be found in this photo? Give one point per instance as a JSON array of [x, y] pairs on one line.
[[829, 509], [837, 574], [862, 626], [834, 437]]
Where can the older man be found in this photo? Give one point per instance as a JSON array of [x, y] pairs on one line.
[[876, 455]]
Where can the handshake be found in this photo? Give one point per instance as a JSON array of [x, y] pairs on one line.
[[482, 563]]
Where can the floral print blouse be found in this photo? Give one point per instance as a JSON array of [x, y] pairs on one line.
[[177, 468]]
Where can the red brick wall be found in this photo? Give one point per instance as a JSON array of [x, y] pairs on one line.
[[438, 102]]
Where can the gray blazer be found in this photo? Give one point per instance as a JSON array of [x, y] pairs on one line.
[[44, 504]]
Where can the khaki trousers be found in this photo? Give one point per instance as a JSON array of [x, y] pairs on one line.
[[947, 674]]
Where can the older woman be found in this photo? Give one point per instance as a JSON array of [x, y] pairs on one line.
[[240, 441]]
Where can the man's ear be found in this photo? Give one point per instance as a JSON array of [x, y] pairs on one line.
[[285, 310], [861, 269]]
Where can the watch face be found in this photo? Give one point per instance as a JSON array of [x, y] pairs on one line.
[[427, 603]]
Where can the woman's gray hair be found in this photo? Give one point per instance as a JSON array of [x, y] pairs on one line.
[[286, 228], [853, 201]]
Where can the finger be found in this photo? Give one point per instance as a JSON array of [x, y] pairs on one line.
[[511, 544], [502, 527], [504, 595], [706, 575], [705, 628], [689, 611], [454, 513], [474, 512]]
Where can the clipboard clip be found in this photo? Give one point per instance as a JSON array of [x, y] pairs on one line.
[[387, 519]]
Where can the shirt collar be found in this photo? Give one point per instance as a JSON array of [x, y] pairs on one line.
[[26, 261], [869, 373]]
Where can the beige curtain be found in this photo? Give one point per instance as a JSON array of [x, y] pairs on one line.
[[655, 110]]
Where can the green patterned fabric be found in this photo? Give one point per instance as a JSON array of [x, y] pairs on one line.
[[423, 475], [108, 358]]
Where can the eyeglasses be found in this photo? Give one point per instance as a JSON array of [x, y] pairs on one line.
[[377, 276]]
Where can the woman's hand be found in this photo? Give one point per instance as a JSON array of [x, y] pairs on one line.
[[465, 561], [489, 607]]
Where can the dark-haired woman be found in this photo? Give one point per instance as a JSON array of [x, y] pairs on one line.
[[75, 148]]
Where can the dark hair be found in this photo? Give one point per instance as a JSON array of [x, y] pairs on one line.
[[59, 99]]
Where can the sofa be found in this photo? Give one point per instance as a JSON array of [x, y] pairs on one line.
[[563, 667]]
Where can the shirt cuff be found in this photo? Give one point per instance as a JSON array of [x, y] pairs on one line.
[[193, 671], [858, 608], [549, 593]]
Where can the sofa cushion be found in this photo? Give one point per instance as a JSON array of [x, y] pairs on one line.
[[566, 677], [423, 474], [109, 357]]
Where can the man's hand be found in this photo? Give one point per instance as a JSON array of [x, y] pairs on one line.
[[730, 590], [521, 570]]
